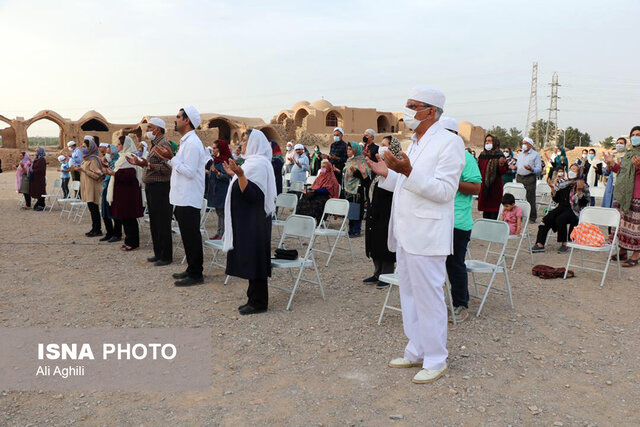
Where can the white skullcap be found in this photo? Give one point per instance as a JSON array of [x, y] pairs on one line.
[[158, 122], [428, 95], [370, 132], [210, 149], [71, 144], [104, 144], [529, 141], [61, 158], [289, 143], [339, 130], [144, 144], [449, 123], [89, 138], [193, 115], [298, 147]]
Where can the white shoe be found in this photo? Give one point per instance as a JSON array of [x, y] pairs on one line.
[[428, 375], [402, 362]]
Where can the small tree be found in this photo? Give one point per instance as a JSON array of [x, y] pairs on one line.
[[607, 143]]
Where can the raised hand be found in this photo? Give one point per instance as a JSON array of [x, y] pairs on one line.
[[401, 166], [379, 168], [232, 168]]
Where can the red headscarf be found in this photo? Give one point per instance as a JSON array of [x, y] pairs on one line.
[[327, 179], [224, 151]]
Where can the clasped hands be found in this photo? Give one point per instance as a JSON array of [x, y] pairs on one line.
[[381, 167]]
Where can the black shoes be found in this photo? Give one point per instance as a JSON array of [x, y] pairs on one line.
[[182, 275], [93, 234], [190, 281], [382, 285], [106, 238], [537, 249], [114, 239], [153, 259], [249, 309], [161, 263], [371, 279]]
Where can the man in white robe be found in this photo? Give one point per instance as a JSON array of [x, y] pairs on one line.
[[424, 184]]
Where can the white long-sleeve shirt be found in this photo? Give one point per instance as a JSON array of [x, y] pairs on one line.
[[187, 172], [299, 174]]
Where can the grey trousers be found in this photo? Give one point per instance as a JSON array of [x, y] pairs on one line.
[[529, 182]]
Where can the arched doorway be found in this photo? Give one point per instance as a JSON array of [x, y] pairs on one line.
[[7, 133], [300, 117], [94, 125], [43, 133], [383, 124], [272, 134], [224, 128], [281, 118], [333, 119]]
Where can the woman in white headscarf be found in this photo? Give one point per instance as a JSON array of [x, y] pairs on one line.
[[250, 202], [124, 193]]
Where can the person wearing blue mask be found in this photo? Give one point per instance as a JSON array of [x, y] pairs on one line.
[[593, 171], [337, 153]]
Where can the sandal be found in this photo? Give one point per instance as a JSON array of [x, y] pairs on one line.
[[623, 257], [630, 263], [126, 248]]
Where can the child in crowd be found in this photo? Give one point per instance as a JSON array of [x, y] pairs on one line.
[[511, 214], [64, 174]]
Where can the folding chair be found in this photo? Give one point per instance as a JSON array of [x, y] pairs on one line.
[[526, 212], [204, 212], [286, 178], [81, 208], [597, 193], [216, 249], [304, 227], [75, 187], [543, 194], [392, 280], [296, 186], [515, 188], [311, 179], [602, 217], [337, 207], [489, 231], [55, 195], [284, 201]]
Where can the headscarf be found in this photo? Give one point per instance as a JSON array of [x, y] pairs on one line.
[[224, 152], [258, 169], [351, 183], [563, 156], [573, 194], [625, 180], [491, 172], [40, 154], [26, 166], [591, 175], [327, 179], [394, 148], [145, 149], [92, 153], [128, 147], [317, 155], [277, 152]]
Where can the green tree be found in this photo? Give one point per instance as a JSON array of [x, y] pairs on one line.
[[511, 138], [573, 137], [607, 143], [539, 130]]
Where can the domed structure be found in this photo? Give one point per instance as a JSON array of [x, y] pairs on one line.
[[321, 104], [299, 104]]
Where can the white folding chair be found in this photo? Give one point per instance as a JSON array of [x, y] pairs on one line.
[[515, 188], [340, 208], [602, 217], [311, 179], [284, 201], [296, 186], [489, 231], [543, 194], [74, 190], [80, 208], [55, 195], [597, 193], [286, 178], [392, 280], [526, 212], [216, 250], [304, 227]]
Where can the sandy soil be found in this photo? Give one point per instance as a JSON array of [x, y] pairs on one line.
[[568, 354]]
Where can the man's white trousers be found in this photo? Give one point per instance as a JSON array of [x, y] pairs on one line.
[[424, 311]]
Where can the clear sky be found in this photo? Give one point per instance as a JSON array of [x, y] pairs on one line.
[[130, 58]]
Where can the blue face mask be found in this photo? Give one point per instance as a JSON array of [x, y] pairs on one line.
[[635, 141], [336, 138], [591, 156]]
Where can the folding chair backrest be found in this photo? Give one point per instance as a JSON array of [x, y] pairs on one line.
[[75, 186], [287, 201], [57, 183], [542, 188], [203, 213], [489, 230], [606, 217], [296, 186], [299, 226], [311, 179], [596, 192], [518, 192], [526, 211], [339, 207]]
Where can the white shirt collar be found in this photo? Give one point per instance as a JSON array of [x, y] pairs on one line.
[[187, 135]]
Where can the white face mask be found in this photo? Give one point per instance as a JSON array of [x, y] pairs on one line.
[[584, 156], [488, 147], [409, 117], [383, 150], [573, 175], [107, 157], [525, 147], [150, 136], [621, 147]]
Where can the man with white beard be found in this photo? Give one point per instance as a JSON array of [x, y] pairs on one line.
[[424, 183]]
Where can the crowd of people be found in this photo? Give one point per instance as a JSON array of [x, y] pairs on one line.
[[417, 204]]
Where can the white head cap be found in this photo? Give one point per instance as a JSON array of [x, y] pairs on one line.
[[371, 132], [88, 138], [104, 144], [158, 122], [528, 141], [71, 144], [193, 115], [298, 147], [428, 95], [339, 130], [61, 158], [449, 123]]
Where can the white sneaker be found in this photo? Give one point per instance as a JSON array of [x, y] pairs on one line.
[[428, 375], [402, 362]]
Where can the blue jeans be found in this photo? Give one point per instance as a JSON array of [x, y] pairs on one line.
[[456, 269]]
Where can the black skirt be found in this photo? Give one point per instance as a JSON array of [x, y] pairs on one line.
[[377, 228]]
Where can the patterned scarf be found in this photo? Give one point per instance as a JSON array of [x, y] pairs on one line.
[[351, 183], [491, 172]]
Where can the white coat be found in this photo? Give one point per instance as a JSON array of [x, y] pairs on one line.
[[422, 211]]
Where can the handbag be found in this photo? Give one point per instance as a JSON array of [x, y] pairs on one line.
[[289, 254], [354, 211], [24, 184]]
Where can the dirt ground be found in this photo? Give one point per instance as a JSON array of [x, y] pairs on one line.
[[568, 354]]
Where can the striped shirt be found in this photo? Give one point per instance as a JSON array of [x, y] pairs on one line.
[[161, 171]]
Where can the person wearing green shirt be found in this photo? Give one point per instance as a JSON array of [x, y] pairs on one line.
[[469, 185]]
